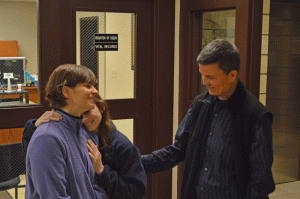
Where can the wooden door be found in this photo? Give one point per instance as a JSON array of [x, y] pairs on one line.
[[202, 21], [153, 68]]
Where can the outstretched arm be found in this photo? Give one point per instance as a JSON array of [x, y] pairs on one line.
[[170, 156]]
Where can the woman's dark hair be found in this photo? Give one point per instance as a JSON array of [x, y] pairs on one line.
[[104, 129], [221, 52], [66, 75]]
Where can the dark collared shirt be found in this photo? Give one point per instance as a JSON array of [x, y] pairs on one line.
[[216, 176], [216, 179]]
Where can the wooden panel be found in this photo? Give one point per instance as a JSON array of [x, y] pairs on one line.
[[10, 95], [9, 49], [33, 94], [8, 136], [14, 135]]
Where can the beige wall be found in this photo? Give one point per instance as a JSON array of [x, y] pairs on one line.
[[18, 21], [119, 76], [176, 90], [264, 51]]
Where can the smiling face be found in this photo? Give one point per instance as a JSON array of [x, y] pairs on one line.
[[81, 98], [217, 82], [92, 119]]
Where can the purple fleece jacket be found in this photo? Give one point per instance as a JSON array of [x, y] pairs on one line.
[[57, 162]]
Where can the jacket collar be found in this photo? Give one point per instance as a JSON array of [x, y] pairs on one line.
[[72, 122]]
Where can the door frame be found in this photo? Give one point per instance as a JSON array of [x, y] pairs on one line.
[[248, 27], [163, 90]]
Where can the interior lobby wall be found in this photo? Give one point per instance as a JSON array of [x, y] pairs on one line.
[[18, 22]]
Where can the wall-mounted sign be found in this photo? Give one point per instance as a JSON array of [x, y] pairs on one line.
[[106, 42]]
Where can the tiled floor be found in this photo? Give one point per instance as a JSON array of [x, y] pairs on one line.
[[283, 191], [289, 190]]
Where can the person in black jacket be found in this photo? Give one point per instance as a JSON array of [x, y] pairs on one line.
[[226, 137], [117, 162]]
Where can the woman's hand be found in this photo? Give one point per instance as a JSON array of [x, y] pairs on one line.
[[95, 156], [47, 116]]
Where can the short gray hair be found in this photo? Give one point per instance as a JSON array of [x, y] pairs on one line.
[[222, 52]]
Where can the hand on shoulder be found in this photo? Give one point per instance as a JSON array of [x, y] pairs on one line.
[[47, 116]]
